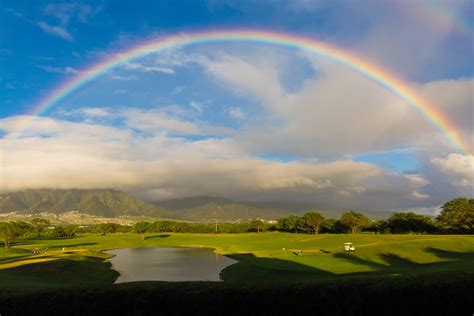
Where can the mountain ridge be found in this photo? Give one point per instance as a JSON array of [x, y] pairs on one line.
[[113, 203], [101, 202]]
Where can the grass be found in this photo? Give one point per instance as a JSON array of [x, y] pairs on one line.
[[261, 257], [388, 274]]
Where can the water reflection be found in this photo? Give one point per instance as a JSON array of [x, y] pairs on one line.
[[168, 264]]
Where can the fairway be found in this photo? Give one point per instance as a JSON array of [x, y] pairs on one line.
[[263, 258]]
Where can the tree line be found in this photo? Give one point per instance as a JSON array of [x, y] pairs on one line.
[[456, 217]]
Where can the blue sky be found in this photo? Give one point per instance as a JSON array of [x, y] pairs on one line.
[[293, 122]]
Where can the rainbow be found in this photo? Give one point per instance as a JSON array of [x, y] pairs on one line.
[[358, 64]]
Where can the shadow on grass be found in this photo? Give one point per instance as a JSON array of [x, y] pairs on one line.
[[71, 272], [158, 236], [395, 263], [251, 269], [16, 258], [38, 240], [452, 255], [30, 257]]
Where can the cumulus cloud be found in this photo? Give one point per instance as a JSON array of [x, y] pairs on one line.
[[459, 168], [339, 112], [62, 154], [455, 100], [167, 152]]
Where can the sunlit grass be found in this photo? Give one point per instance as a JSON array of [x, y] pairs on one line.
[[263, 257]]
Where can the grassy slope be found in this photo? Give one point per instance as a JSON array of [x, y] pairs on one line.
[[261, 255]]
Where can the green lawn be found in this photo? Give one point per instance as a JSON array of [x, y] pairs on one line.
[[261, 257]]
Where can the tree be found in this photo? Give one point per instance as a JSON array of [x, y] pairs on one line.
[[39, 224], [141, 228], [332, 226], [70, 231], [354, 221], [290, 224], [57, 232], [107, 228], [457, 215], [12, 230], [409, 222], [380, 226], [256, 225], [313, 221]]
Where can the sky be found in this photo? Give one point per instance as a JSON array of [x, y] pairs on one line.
[[243, 120]]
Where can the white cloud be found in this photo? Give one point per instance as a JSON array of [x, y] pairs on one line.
[[236, 113], [60, 70], [64, 13], [197, 106], [30, 126], [72, 10], [97, 112], [61, 154], [56, 30], [158, 121], [166, 61], [458, 168], [160, 69], [339, 112], [122, 77], [455, 100]]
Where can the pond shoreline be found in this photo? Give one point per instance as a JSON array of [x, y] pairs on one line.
[[169, 264]]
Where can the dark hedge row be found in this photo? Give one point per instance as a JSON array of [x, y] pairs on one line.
[[447, 294]]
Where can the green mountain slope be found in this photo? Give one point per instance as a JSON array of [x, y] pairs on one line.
[[94, 202], [210, 208]]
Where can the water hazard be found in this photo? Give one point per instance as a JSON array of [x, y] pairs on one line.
[[168, 264]]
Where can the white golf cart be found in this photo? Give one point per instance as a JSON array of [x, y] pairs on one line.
[[349, 247]]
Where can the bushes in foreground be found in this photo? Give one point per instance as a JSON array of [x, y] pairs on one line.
[[430, 294]]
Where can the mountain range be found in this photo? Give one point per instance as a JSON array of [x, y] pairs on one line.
[[106, 203], [208, 208], [112, 203]]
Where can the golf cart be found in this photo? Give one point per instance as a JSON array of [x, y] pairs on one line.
[[348, 247]]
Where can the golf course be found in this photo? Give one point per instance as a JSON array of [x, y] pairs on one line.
[[270, 257], [273, 272]]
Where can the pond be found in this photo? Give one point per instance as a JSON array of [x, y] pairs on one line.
[[168, 264]]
